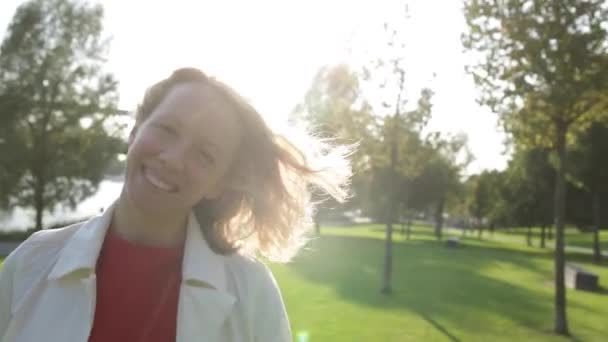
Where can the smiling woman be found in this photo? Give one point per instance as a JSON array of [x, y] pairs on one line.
[[208, 186]]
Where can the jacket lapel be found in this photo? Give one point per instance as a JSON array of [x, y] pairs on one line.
[[65, 308], [62, 306], [204, 303], [63, 312], [202, 314]]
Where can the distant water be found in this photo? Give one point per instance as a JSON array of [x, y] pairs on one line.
[[22, 218]]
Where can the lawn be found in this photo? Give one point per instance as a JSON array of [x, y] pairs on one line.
[[573, 236], [484, 291], [586, 239]]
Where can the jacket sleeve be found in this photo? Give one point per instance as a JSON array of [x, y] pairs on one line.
[[272, 323], [6, 292]]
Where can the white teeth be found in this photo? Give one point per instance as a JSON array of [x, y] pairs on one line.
[[159, 183]]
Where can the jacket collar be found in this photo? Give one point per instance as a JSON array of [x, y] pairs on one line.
[[200, 265]]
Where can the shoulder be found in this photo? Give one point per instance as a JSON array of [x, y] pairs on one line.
[[253, 279], [263, 297], [30, 263], [251, 271], [255, 285], [43, 245], [33, 259], [50, 237]]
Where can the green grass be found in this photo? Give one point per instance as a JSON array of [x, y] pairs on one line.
[[484, 291], [586, 239], [573, 237]]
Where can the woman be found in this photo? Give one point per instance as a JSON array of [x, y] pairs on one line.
[[207, 187]]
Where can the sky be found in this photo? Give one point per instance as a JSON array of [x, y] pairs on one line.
[[269, 51]]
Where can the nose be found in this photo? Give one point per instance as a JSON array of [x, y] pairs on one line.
[[173, 158]]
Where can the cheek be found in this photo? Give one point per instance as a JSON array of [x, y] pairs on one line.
[[142, 148], [200, 179], [145, 145], [197, 176], [196, 188]]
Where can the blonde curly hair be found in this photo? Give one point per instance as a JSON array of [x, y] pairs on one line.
[[267, 211]]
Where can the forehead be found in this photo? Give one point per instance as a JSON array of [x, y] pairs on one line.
[[200, 110], [192, 101]]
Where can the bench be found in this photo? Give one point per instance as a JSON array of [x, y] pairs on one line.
[[452, 242], [580, 278]]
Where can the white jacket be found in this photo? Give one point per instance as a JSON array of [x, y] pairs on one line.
[[48, 289]]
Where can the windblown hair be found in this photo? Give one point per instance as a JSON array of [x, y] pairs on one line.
[[267, 209]]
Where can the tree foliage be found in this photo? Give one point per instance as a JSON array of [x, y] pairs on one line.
[[55, 102], [542, 67], [589, 172]]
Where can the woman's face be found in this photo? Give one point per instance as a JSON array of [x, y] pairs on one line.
[[182, 151]]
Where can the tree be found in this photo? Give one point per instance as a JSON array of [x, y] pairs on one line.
[[12, 163], [55, 102], [531, 179], [400, 129], [334, 108], [438, 182], [389, 139], [590, 171], [542, 73], [484, 199]]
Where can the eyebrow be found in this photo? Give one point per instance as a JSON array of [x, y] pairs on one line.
[[179, 122], [203, 142]]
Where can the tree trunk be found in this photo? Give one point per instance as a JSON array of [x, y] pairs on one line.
[[492, 229], [39, 206], [550, 233], [388, 250], [542, 235], [388, 255], [39, 185], [388, 259], [480, 232], [439, 218], [561, 322], [529, 236], [597, 252], [409, 228], [317, 226]]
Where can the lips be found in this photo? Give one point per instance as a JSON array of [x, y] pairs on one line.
[[158, 181]]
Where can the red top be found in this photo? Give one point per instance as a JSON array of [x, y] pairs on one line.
[[137, 292]]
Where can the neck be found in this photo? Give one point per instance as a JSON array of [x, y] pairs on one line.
[[133, 225]]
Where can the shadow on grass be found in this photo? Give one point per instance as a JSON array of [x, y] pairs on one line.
[[535, 251], [437, 283], [439, 327], [601, 290]]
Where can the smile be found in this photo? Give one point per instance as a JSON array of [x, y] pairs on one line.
[[158, 182]]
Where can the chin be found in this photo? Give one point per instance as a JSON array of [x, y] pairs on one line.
[[150, 200]]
